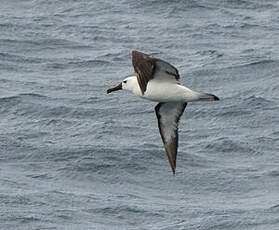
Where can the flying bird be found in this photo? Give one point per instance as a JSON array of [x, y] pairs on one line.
[[157, 80]]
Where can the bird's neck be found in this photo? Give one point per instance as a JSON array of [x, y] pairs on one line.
[[135, 89]]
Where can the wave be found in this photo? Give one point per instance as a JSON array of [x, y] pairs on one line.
[[123, 211], [44, 43], [264, 63], [261, 62], [257, 102], [14, 100], [247, 106], [33, 105], [227, 145], [20, 59], [275, 207], [171, 6], [210, 53], [89, 63], [22, 96]]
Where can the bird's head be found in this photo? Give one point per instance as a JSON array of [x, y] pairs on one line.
[[129, 83]]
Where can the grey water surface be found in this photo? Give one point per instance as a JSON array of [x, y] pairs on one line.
[[72, 157]]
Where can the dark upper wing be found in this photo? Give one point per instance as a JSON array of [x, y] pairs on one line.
[[168, 115], [148, 67], [144, 66]]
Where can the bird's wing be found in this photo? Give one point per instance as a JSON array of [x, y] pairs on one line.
[[148, 67], [168, 115]]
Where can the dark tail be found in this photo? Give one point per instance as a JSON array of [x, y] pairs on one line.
[[208, 97]]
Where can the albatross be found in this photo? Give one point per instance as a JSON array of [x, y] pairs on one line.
[[157, 80]]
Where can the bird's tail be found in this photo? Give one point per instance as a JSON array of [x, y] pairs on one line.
[[208, 97]]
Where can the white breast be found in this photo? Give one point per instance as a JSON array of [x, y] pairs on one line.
[[166, 91]]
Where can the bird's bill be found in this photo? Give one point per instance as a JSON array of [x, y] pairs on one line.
[[115, 88]]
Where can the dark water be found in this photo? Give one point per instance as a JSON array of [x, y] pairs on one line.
[[72, 157]]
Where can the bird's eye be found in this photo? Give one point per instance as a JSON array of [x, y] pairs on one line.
[[124, 82]]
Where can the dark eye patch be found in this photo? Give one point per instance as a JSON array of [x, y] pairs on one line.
[[125, 82]]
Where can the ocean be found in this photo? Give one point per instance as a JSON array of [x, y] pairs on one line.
[[73, 157]]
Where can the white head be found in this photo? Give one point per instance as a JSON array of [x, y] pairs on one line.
[[129, 83]]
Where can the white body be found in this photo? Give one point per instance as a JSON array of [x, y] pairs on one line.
[[157, 80], [172, 98], [161, 90]]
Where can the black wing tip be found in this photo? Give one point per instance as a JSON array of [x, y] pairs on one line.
[[172, 164]]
